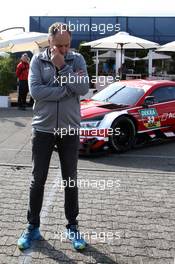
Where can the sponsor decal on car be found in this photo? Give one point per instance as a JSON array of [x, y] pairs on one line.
[[150, 118], [167, 116], [148, 112]]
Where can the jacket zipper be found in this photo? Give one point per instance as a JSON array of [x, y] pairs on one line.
[[57, 117], [57, 106]]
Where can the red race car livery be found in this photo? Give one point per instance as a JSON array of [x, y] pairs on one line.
[[127, 113]]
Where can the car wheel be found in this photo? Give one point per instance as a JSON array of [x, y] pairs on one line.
[[125, 138]]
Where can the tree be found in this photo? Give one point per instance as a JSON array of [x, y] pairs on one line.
[[87, 54], [7, 75]]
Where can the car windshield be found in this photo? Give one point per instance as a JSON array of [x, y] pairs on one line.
[[119, 94]]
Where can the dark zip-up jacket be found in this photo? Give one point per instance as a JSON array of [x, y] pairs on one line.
[[56, 93]]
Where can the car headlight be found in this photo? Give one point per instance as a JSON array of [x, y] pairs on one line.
[[91, 123]]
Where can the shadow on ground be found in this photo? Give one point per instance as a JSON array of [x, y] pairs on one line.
[[45, 248]]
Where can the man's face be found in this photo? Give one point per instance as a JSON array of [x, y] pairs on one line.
[[62, 41]]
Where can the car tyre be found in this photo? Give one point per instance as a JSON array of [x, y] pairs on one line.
[[125, 138]]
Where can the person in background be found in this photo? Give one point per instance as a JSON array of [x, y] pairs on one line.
[[22, 71], [123, 71]]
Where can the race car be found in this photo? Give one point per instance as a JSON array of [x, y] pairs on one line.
[[127, 113]]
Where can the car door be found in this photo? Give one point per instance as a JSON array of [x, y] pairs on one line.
[[160, 114], [165, 105]]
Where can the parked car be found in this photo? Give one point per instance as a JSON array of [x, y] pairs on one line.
[[128, 113]]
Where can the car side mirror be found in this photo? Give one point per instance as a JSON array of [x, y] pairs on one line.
[[149, 100]]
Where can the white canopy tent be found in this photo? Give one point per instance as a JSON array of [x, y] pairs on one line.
[[24, 41], [106, 55], [119, 42], [155, 56], [167, 47], [111, 55]]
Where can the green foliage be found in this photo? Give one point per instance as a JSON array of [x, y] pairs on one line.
[[7, 75], [87, 54]]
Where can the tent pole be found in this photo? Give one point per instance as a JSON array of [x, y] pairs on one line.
[[150, 63], [97, 61], [121, 44]]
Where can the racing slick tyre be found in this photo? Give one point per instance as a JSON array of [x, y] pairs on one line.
[[123, 136]]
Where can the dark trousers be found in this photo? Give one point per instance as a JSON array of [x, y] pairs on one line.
[[22, 93], [42, 148]]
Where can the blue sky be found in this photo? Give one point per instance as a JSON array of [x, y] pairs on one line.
[[16, 13]]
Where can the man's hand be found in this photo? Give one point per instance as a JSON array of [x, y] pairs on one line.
[[80, 72], [57, 58]]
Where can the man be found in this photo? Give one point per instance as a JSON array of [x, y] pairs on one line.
[[56, 110], [22, 71]]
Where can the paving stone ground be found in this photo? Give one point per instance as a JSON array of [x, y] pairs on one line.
[[127, 203], [126, 217]]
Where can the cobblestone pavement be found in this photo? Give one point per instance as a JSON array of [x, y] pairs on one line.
[[126, 217], [126, 203]]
